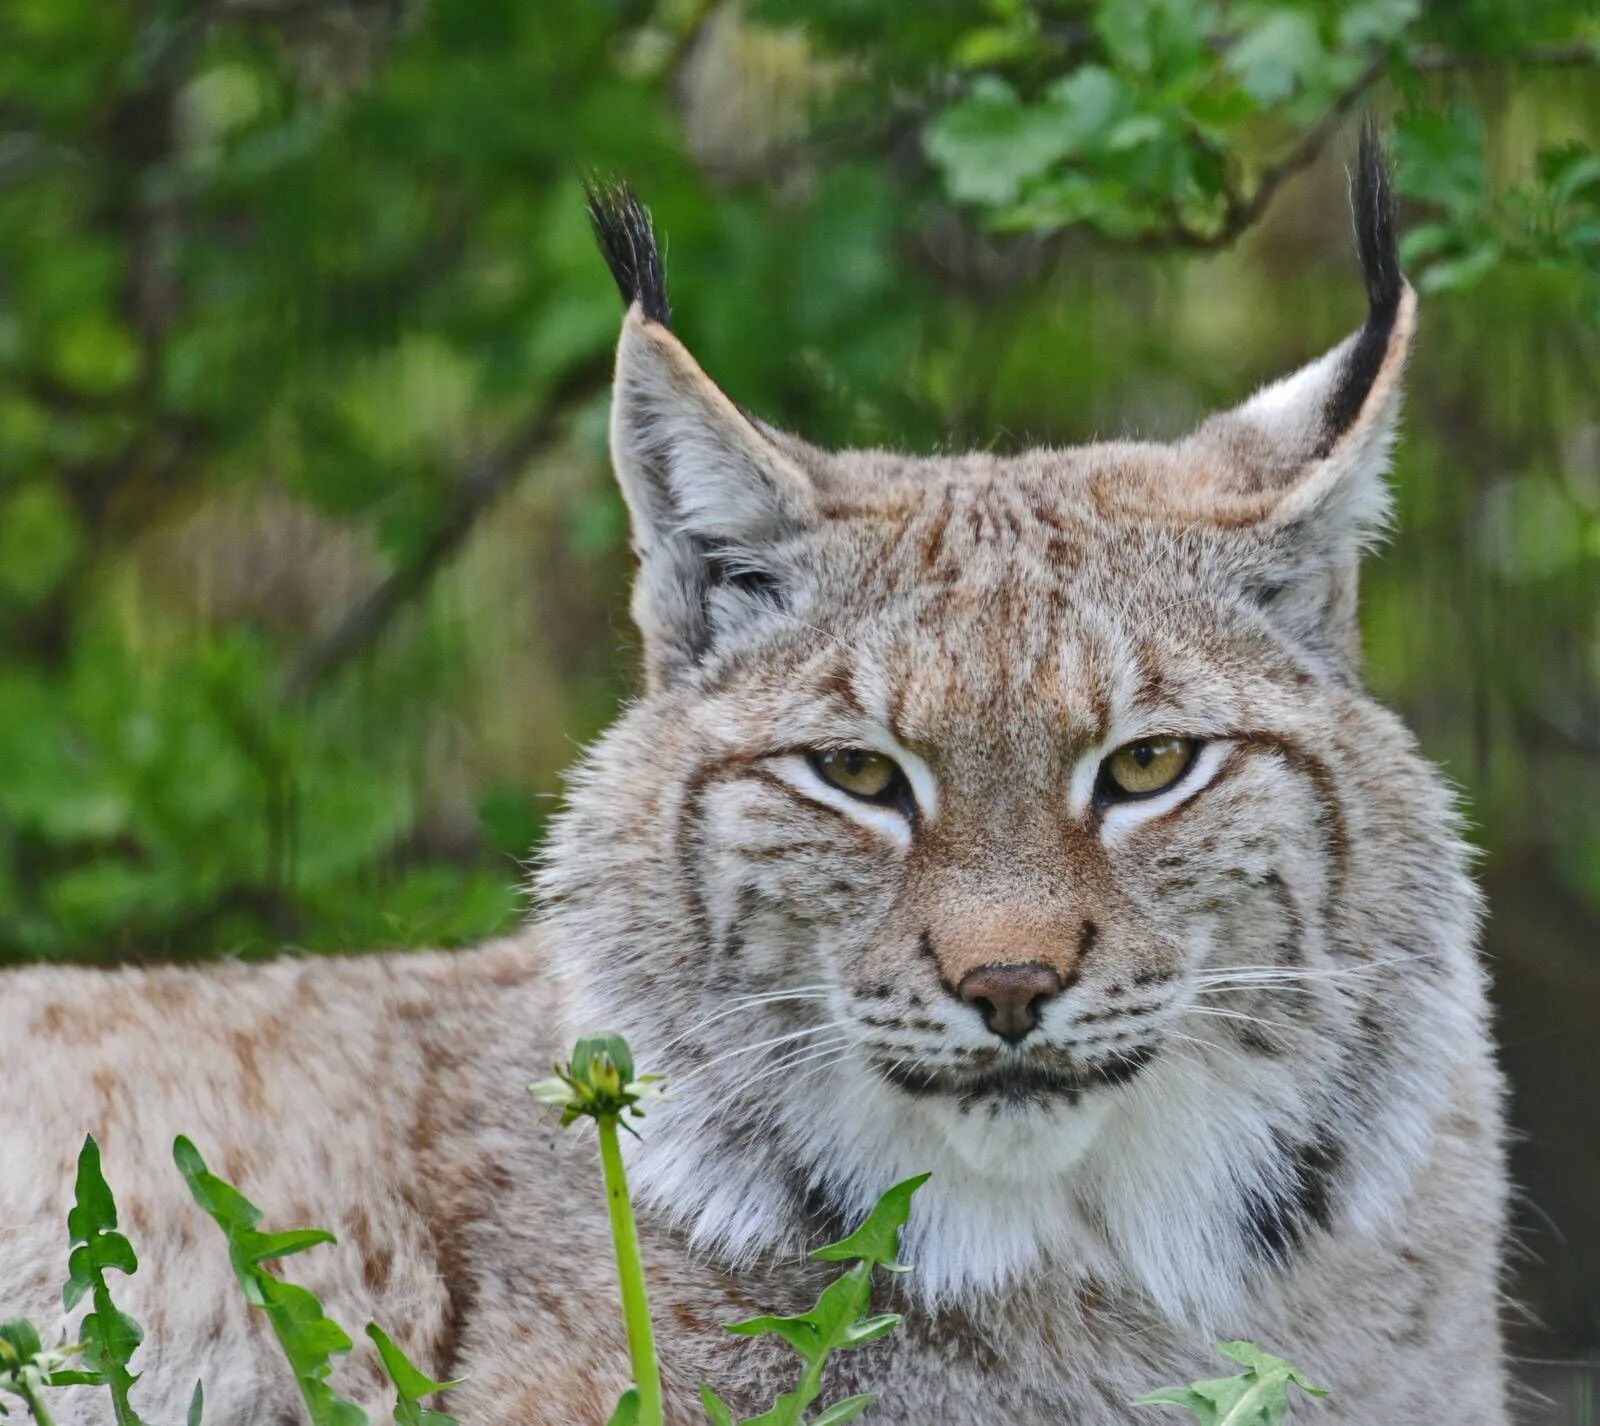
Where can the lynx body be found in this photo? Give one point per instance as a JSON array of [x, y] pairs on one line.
[[884, 871]]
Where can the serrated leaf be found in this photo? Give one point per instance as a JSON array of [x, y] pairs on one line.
[[1259, 1396], [93, 1210], [107, 1335], [836, 1323], [411, 1384], [1249, 1355], [310, 1339], [877, 1240], [401, 1370]]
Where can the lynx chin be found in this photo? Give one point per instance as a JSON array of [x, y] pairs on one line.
[[1017, 819]]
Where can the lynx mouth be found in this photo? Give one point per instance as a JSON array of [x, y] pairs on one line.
[[1017, 1084]]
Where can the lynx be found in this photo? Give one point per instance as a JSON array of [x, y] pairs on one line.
[[1021, 820]]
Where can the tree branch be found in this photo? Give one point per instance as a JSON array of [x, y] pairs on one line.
[[1241, 213], [478, 488], [1559, 55]]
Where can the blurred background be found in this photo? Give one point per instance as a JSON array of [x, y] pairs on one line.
[[312, 576]]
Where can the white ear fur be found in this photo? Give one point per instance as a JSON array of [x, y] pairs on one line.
[[1303, 466], [1343, 472], [707, 491]]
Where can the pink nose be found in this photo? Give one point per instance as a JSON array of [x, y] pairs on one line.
[[1009, 997]]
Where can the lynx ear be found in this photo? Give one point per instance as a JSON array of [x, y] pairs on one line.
[[711, 494], [1302, 464]]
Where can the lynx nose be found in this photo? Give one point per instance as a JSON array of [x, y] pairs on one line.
[[1009, 996]]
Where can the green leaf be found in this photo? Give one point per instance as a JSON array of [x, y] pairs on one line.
[[1375, 22], [1250, 1356], [93, 352], [94, 1210], [627, 1412], [798, 1332], [1457, 274], [411, 1384], [1159, 38], [1568, 171], [989, 144], [841, 1302], [1093, 105], [39, 541], [1273, 57], [19, 1342], [716, 1409], [107, 1335], [837, 1321], [1259, 1396], [197, 1405], [1439, 159], [846, 1410], [877, 1240], [71, 1378], [309, 1338], [269, 1246], [1425, 241], [1201, 1407], [869, 1329]]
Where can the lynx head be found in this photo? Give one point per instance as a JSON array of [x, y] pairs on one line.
[[1018, 819]]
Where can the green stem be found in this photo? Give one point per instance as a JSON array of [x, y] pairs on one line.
[[36, 1408], [118, 1379], [630, 1273], [808, 1389]]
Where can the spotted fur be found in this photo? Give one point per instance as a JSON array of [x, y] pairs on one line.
[[1263, 1103]]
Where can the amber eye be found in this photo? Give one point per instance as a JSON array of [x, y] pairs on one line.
[[1145, 767], [861, 773]]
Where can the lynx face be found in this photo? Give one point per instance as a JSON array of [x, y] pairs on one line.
[[1019, 820], [999, 815]]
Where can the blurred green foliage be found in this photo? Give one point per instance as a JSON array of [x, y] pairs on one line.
[[280, 282]]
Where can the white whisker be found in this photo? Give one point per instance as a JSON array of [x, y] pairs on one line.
[[1211, 1010], [746, 1002]]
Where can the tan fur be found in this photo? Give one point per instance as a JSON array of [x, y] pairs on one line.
[[1264, 1105]]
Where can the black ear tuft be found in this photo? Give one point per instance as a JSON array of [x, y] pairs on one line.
[[628, 241], [1373, 203], [1376, 226]]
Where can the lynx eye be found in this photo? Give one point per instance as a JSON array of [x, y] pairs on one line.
[[1145, 767], [867, 775]]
